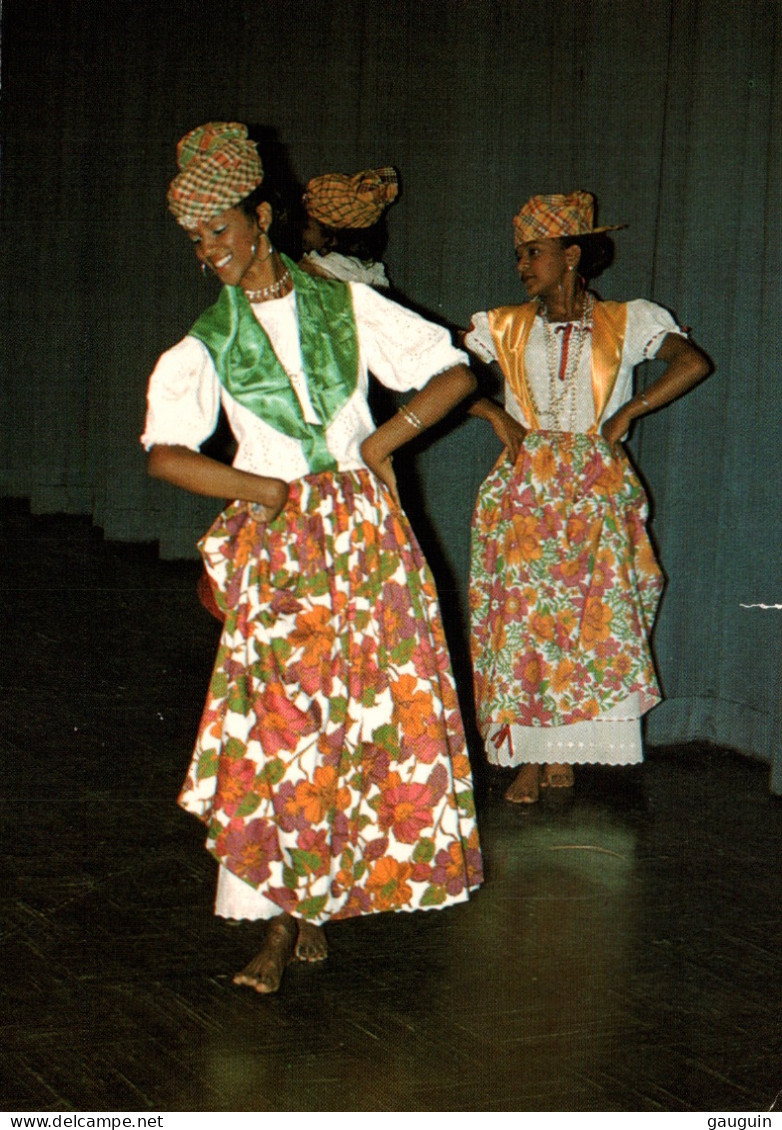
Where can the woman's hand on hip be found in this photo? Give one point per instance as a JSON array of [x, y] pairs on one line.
[[380, 464], [183, 467], [275, 495], [510, 433], [613, 430]]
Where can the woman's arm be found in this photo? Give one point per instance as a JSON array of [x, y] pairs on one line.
[[198, 473], [429, 405], [686, 367], [509, 431]]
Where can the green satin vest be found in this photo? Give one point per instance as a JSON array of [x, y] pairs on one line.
[[251, 372]]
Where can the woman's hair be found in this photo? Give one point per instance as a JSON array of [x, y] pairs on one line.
[[280, 188], [597, 253], [367, 244], [285, 226]]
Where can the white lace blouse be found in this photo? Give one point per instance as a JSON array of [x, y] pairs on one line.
[[400, 348], [647, 325]]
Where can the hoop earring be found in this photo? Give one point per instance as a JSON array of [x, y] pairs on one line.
[[203, 269]]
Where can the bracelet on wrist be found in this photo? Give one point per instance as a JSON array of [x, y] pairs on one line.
[[411, 418]]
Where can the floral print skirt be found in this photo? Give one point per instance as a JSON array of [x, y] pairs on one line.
[[331, 766], [564, 588]]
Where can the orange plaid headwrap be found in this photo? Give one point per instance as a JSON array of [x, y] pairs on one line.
[[549, 217], [340, 201], [219, 167]]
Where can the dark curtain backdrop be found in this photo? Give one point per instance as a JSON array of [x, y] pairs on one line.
[[668, 111]]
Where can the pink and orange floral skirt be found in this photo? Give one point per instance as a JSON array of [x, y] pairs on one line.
[[330, 765], [564, 589]]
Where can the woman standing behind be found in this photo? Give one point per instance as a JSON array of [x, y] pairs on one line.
[[345, 234], [564, 582], [330, 766]]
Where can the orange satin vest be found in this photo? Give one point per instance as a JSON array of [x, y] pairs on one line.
[[510, 327]]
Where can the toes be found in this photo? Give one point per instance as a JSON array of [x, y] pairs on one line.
[[264, 972], [311, 944], [310, 953], [558, 777], [268, 984], [284, 943], [525, 788], [263, 982]]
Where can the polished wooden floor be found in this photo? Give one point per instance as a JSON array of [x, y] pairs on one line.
[[623, 954]]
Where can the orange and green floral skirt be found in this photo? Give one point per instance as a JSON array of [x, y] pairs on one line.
[[564, 586], [330, 765]]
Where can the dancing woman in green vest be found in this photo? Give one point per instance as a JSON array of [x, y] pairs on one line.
[[330, 766], [564, 582]]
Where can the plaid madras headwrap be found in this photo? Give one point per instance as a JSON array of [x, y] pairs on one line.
[[358, 201], [549, 217], [219, 167]]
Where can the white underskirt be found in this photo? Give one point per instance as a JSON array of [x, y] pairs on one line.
[[237, 899], [612, 739]]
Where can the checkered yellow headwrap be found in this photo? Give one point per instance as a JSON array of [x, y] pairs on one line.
[[549, 217], [340, 201], [219, 167]]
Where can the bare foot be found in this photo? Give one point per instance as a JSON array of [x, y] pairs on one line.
[[557, 777], [311, 944], [525, 787], [264, 972]]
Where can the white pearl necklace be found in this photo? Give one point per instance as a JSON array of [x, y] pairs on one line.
[[273, 290]]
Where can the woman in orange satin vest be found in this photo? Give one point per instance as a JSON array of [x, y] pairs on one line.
[[564, 583]]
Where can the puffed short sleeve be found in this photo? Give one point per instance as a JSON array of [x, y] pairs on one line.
[[479, 339], [400, 348], [647, 326], [183, 397]]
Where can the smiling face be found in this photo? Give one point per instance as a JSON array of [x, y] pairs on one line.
[[543, 265], [227, 243]]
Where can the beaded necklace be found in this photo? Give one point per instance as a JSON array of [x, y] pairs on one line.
[[273, 290], [563, 365]]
